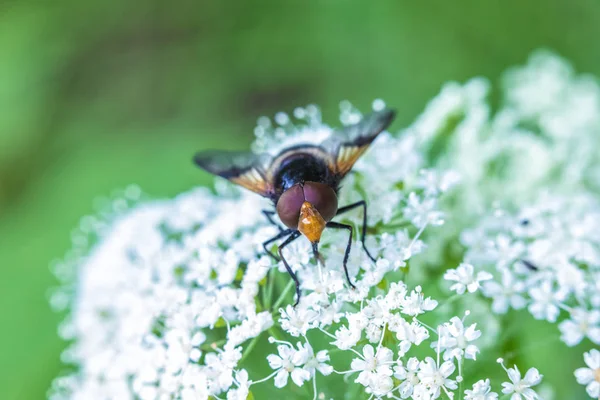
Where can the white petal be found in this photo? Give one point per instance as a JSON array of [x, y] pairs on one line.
[[322, 356], [514, 374], [529, 394], [358, 365], [459, 287], [406, 389], [275, 361], [484, 276], [594, 335], [384, 355], [472, 333], [471, 352], [325, 369], [399, 372], [412, 364], [451, 275], [593, 389], [584, 375], [507, 388], [500, 305], [592, 359], [450, 384], [552, 313], [518, 302], [473, 286], [281, 378], [368, 351], [447, 368], [299, 376], [533, 377]]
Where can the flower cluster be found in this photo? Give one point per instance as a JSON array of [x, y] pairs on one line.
[[545, 258], [534, 243], [176, 299]]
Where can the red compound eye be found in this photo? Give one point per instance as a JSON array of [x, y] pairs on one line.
[[289, 204]]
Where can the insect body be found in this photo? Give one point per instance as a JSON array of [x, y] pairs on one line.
[[303, 183]]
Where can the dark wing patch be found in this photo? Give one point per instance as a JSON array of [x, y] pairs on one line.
[[348, 144], [243, 168]]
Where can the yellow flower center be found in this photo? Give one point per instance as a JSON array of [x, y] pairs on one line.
[[597, 375]]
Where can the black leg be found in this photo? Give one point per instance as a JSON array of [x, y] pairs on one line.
[[269, 214], [274, 238], [337, 225], [531, 266], [363, 233], [287, 241]]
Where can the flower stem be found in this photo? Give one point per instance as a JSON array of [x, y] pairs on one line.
[[287, 289], [460, 384], [250, 347], [269, 291], [265, 379]]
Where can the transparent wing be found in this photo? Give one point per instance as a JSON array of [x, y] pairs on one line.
[[348, 144], [246, 169]]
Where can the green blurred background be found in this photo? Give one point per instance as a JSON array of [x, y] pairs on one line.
[[95, 95]]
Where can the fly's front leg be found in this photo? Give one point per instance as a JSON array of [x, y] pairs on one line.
[[280, 235], [269, 215], [336, 225], [289, 240], [363, 233]]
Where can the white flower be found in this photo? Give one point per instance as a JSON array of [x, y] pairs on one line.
[[455, 340], [316, 362], [289, 362], [481, 391], [521, 388], [373, 333], [243, 386], [507, 251], [347, 337], [545, 301], [220, 367], [296, 321], [407, 334], [251, 327], [321, 284], [507, 294], [436, 377], [416, 303], [465, 278], [422, 212], [590, 376], [409, 376], [379, 384], [582, 323], [433, 184], [372, 364], [183, 347], [402, 248], [193, 384], [377, 311]]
